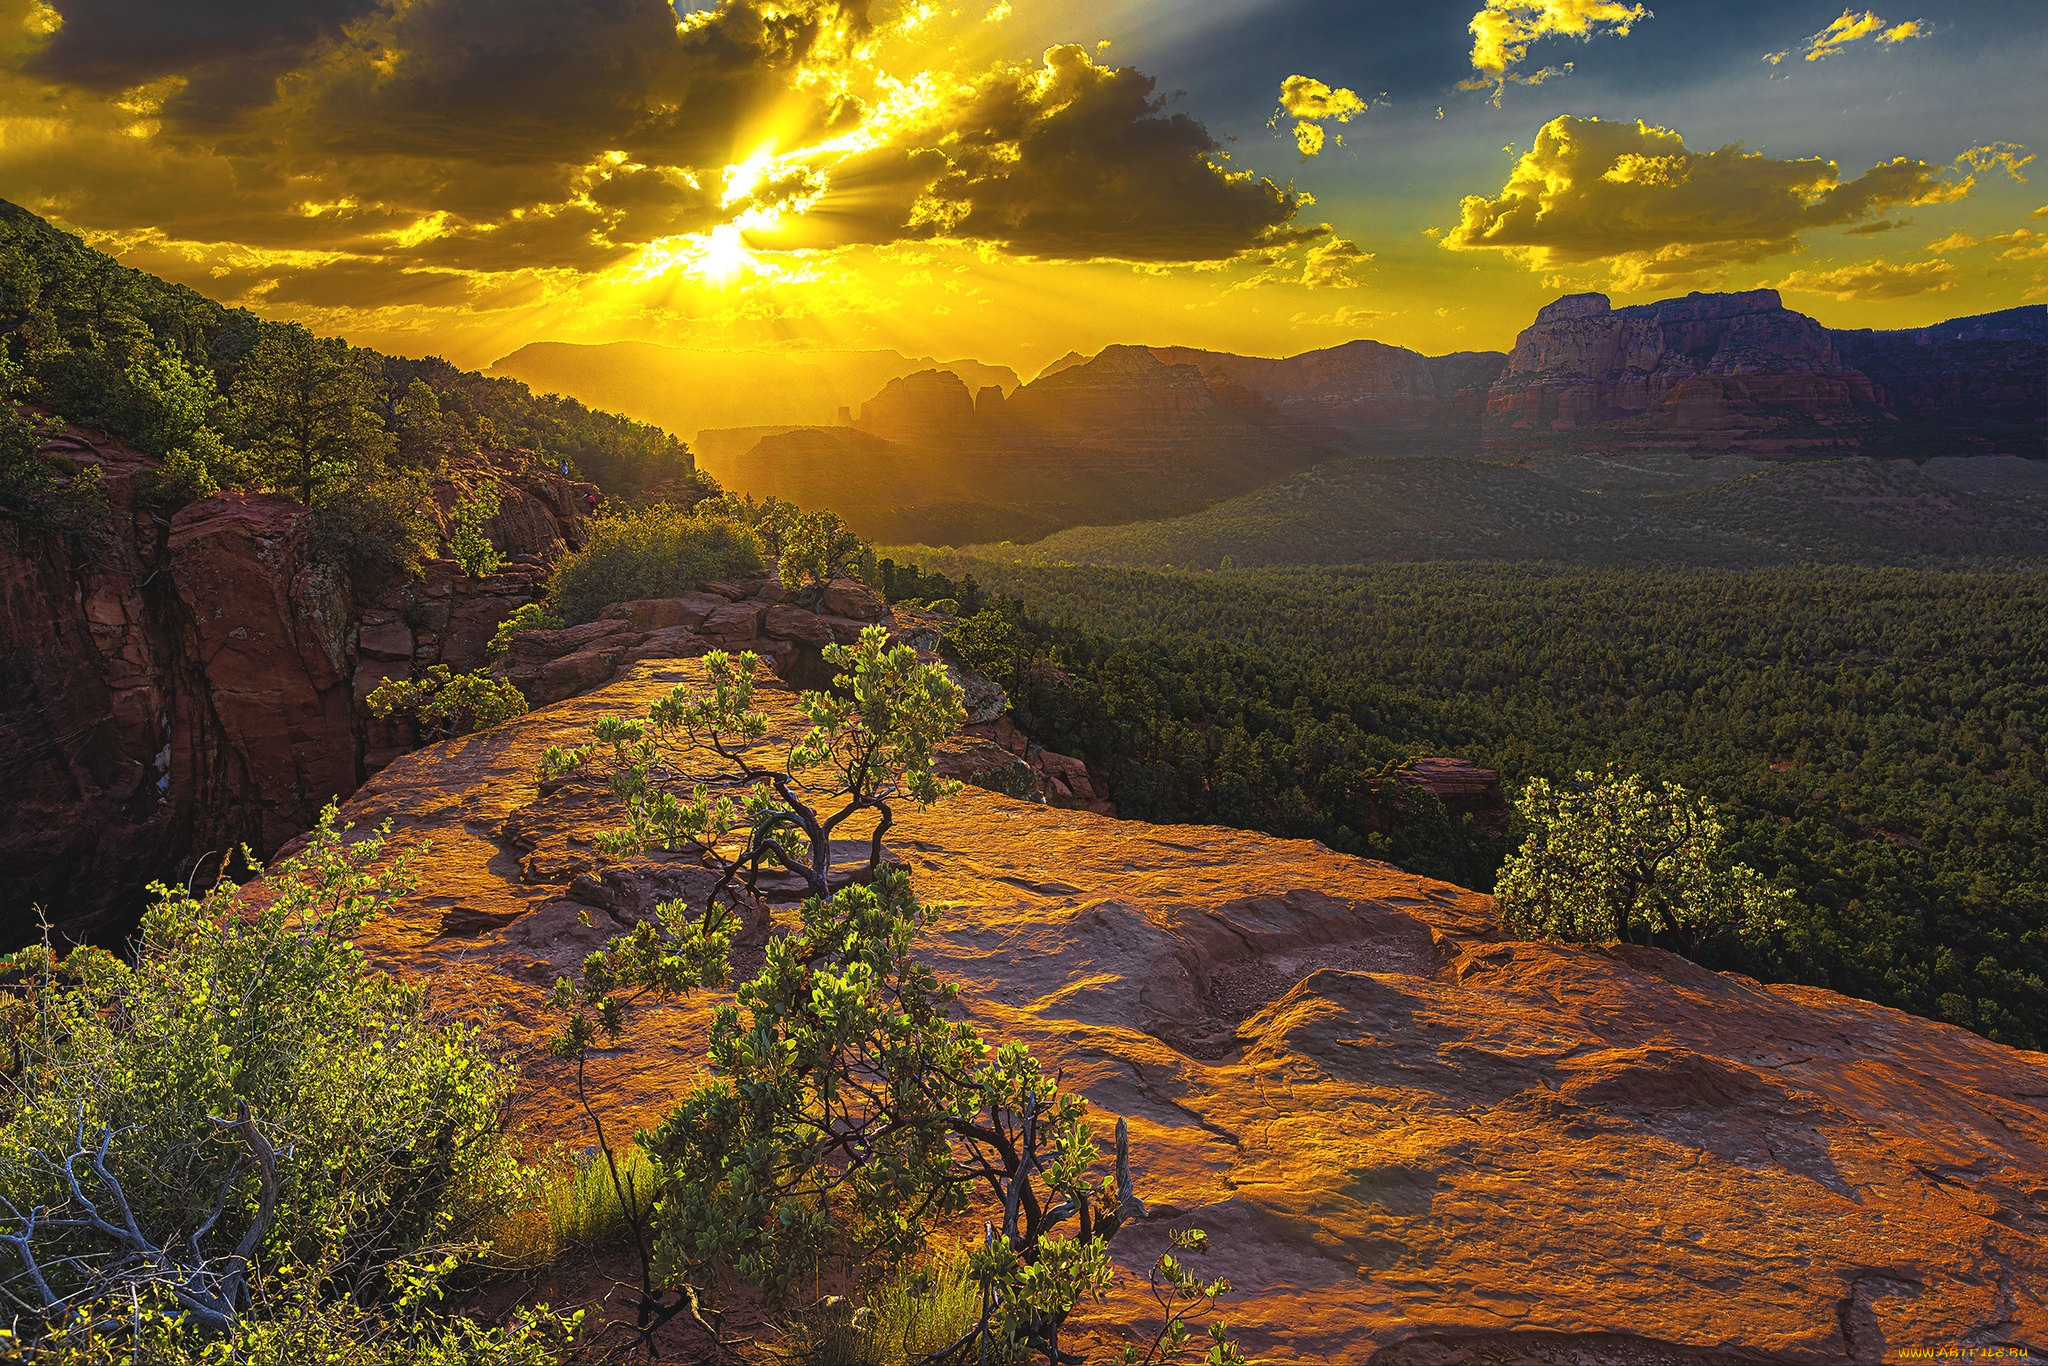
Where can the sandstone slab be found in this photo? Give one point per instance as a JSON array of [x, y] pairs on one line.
[[1413, 1139]]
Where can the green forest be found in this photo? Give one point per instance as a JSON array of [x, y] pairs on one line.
[[1871, 736]]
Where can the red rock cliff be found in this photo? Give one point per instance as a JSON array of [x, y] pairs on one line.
[[173, 686]]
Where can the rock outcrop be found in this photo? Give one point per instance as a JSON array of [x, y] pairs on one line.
[[1411, 1138], [175, 686], [1709, 371]]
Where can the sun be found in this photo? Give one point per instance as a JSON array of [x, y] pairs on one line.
[[723, 256]]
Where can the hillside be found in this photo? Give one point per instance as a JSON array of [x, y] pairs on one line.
[[1412, 1139], [1639, 509], [686, 391]]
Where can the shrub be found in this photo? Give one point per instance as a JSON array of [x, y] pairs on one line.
[[374, 527], [251, 1095], [658, 552], [1613, 858], [471, 548], [531, 616], [448, 703]]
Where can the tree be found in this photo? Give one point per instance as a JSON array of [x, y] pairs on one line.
[[301, 406], [448, 703], [418, 423], [1612, 857], [848, 1116], [869, 746], [818, 547]]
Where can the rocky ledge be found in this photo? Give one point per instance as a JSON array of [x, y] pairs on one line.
[[1413, 1139]]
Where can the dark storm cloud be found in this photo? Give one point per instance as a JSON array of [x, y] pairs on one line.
[[1078, 160], [512, 135], [1068, 160], [230, 52], [521, 81]]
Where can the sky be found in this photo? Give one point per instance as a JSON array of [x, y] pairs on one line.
[[1014, 179]]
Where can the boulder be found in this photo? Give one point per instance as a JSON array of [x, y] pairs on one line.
[[848, 598], [656, 614], [797, 626], [736, 623], [381, 637], [673, 642], [572, 674], [537, 647]]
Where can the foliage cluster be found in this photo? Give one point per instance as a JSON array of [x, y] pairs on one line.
[[448, 703], [244, 1128], [661, 551], [1612, 857], [468, 543], [532, 616], [1872, 739], [229, 400], [847, 1115], [809, 549]]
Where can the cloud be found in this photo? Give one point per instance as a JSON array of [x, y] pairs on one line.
[[1849, 28], [1633, 196], [1342, 317], [2021, 244], [1869, 281], [1330, 265], [2041, 212], [1071, 160], [1503, 32], [1310, 103], [1955, 241], [419, 138]]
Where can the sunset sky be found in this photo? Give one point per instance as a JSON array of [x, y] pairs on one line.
[[1009, 179]]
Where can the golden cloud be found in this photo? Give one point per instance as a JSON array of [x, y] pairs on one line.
[[1869, 281], [1304, 97], [1634, 196], [1330, 265], [425, 139], [1849, 28], [1310, 102], [1503, 32]]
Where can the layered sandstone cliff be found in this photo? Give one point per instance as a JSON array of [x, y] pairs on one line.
[[1713, 371], [1413, 1139], [173, 686]]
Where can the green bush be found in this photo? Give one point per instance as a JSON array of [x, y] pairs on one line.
[[293, 1325], [658, 552], [252, 1096], [448, 703], [471, 548], [532, 616], [374, 527], [1612, 857]]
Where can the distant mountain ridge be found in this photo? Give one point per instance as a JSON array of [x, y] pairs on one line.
[[961, 451], [688, 390]]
